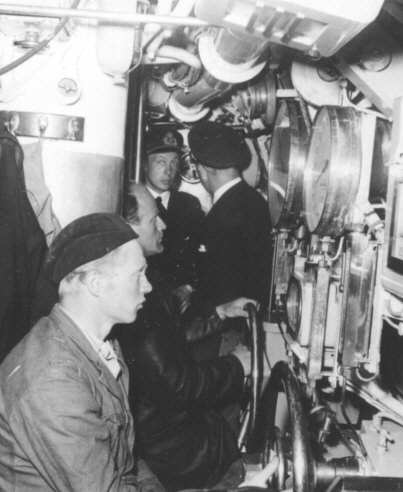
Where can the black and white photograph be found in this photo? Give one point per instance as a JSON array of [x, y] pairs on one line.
[[201, 245]]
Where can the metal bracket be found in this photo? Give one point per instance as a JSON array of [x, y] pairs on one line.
[[57, 126]]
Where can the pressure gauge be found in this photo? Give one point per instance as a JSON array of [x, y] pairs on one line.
[[294, 305], [299, 303], [332, 170], [286, 166]]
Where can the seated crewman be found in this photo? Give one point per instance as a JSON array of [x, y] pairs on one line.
[[178, 404], [65, 422]]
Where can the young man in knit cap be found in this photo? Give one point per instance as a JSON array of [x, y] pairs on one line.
[[65, 422]]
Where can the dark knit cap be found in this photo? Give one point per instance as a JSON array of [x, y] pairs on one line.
[[218, 146], [86, 239], [163, 140]]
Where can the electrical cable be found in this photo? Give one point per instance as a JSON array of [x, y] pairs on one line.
[[343, 435], [334, 258], [267, 359], [40, 46]]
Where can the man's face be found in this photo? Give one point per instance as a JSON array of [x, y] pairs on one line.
[[150, 228], [125, 285], [161, 170]]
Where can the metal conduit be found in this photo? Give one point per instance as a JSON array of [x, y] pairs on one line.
[[140, 125], [283, 377], [118, 18], [249, 422], [256, 330]]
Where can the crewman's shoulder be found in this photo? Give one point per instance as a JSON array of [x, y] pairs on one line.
[[44, 346]]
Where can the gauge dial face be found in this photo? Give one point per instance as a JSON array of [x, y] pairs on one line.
[[294, 305], [278, 171], [317, 172]]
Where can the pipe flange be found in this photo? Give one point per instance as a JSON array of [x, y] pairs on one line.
[[195, 113], [222, 70]]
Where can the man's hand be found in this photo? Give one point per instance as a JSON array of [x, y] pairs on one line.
[[244, 357], [234, 309], [261, 478], [183, 295]]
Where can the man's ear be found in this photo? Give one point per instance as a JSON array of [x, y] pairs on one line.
[[201, 171], [134, 227], [93, 282]]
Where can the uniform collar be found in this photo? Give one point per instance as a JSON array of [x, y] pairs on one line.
[[220, 192], [164, 196]]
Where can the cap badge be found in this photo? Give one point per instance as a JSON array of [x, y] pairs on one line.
[[169, 139]]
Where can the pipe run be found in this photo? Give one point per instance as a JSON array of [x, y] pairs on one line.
[[256, 331], [283, 378], [179, 54], [118, 18]]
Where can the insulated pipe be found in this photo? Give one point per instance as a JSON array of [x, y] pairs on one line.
[[182, 9], [140, 125], [283, 377], [205, 89], [179, 54], [227, 59], [117, 18], [231, 56]]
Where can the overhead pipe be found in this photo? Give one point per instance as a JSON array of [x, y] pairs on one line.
[[184, 75], [117, 18], [179, 54], [182, 9], [189, 105], [228, 58], [231, 56]]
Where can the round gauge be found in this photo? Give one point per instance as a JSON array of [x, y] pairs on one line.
[[286, 166], [294, 306], [332, 169]]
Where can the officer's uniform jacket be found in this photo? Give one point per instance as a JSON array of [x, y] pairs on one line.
[[238, 247]]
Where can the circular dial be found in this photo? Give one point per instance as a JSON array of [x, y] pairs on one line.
[[332, 169], [318, 172], [286, 164], [278, 173], [294, 305]]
